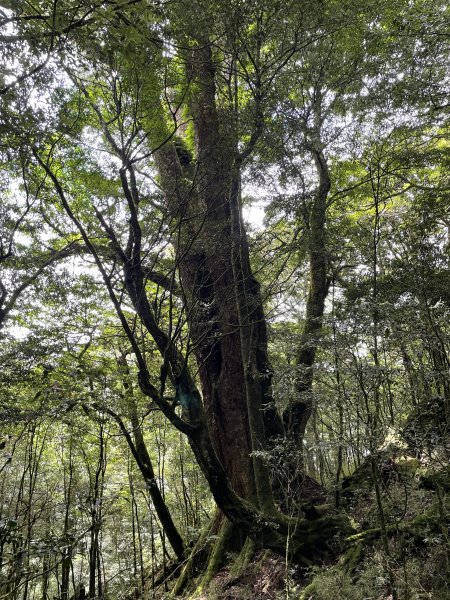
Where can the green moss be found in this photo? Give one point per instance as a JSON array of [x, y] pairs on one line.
[[242, 560], [218, 554], [194, 562], [352, 558], [308, 592]]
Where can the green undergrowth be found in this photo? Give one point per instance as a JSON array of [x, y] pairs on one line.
[[409, 558]]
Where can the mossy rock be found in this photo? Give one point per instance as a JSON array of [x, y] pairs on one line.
[[389, 470], [427, 427], [436, 480]]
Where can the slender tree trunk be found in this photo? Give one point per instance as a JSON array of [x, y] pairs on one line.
[[95, 578], [253, 338], [140, 453], [67, 552], [297, 414]]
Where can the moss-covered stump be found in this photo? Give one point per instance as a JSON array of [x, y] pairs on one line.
[[312, 541], [390, 470], [427, 428]]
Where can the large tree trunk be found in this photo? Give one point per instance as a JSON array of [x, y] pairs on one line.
[[211, 254]]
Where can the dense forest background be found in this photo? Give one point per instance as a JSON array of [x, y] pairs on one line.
[[224, 299]]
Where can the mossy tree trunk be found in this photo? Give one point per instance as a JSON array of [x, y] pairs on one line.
[[299, 410]]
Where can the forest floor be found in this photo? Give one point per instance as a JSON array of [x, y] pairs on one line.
[[409, 560], [263, 578]]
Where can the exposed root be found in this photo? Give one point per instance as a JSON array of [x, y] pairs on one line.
[[195, 561], [217, 555], [242, 561]]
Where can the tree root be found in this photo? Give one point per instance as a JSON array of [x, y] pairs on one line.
[[306, 541], [242, 561], [352, 558], [196, 559], [217, 555], [413, 527]]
